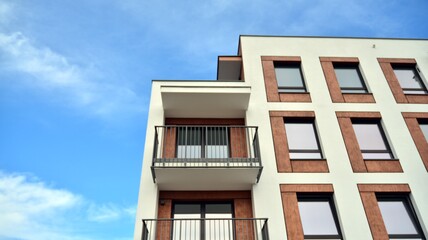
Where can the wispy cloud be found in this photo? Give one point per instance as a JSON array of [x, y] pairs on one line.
[[56, 75], [31, 209], [109, 212]]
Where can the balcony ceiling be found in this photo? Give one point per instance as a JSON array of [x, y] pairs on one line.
[[207, 179], [220, 101]]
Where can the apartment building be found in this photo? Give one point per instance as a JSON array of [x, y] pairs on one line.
[[298, 138]]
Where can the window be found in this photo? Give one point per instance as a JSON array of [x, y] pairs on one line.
[[404, 79], [302, 139], [289, 77], [371, 139], [297, 148], [284, 80], [409, 79], [188, 224], [309, 211], [349, 78], [318, 216], [366, 142], [417, 123], [202, 142], [345, 81], [389, 211], [399, 217]]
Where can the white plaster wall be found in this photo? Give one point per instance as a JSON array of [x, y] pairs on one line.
[[266, 194]]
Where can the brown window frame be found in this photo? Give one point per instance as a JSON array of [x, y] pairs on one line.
[[336, 94], [413, 120], [369, 194], [386, 65], [290, 206], [272, 92], [282, 153], [354, 152]]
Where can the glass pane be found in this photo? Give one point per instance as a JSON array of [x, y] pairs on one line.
[[377, 156], [288, 76], [348, 77], [216, 136], [186, 229], [294, 155], [216, 152], [424, 127], [369, 136], [408, 78], [218, 208], [301, 136], [396, 217], [189, 151], [218, 229], [317, 218], [189, 136]]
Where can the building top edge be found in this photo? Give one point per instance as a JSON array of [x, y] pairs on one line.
[[333, 37]]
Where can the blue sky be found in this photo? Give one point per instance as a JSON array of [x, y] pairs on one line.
[[75, 79]]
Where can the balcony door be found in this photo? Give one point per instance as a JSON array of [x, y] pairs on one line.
[[202, 221], [202, 142]]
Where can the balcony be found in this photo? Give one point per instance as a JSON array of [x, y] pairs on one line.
[[206, 157], [205, 229]]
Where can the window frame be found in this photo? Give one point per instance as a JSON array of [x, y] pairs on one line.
[[310, 121], [377, 122], [386, 65], [271, 84], [294, 65], [405, 199], [289, 198], [336, 94], [369, 193], [282, 155], [358, 163], [318, 197]]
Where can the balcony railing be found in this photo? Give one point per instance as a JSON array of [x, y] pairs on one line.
[[205, 229], [178, 146]]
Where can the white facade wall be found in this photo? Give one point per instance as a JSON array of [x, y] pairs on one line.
[[266, 194]]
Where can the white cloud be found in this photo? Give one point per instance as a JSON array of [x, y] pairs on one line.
[[109, 212], [31, 209], [54, 74], [5, 12]]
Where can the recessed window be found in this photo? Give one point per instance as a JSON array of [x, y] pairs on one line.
[[371, 139], [302, 139], [399, 217], [349, 78], [202, 142], [319, 218], [289, 77], [409, 79], [188, 222]]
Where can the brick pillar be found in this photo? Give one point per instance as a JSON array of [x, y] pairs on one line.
[[238, 142], [244, 228], [163, 228]]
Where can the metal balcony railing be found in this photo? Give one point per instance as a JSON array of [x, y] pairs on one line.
[[178, 146], [205, 229]]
